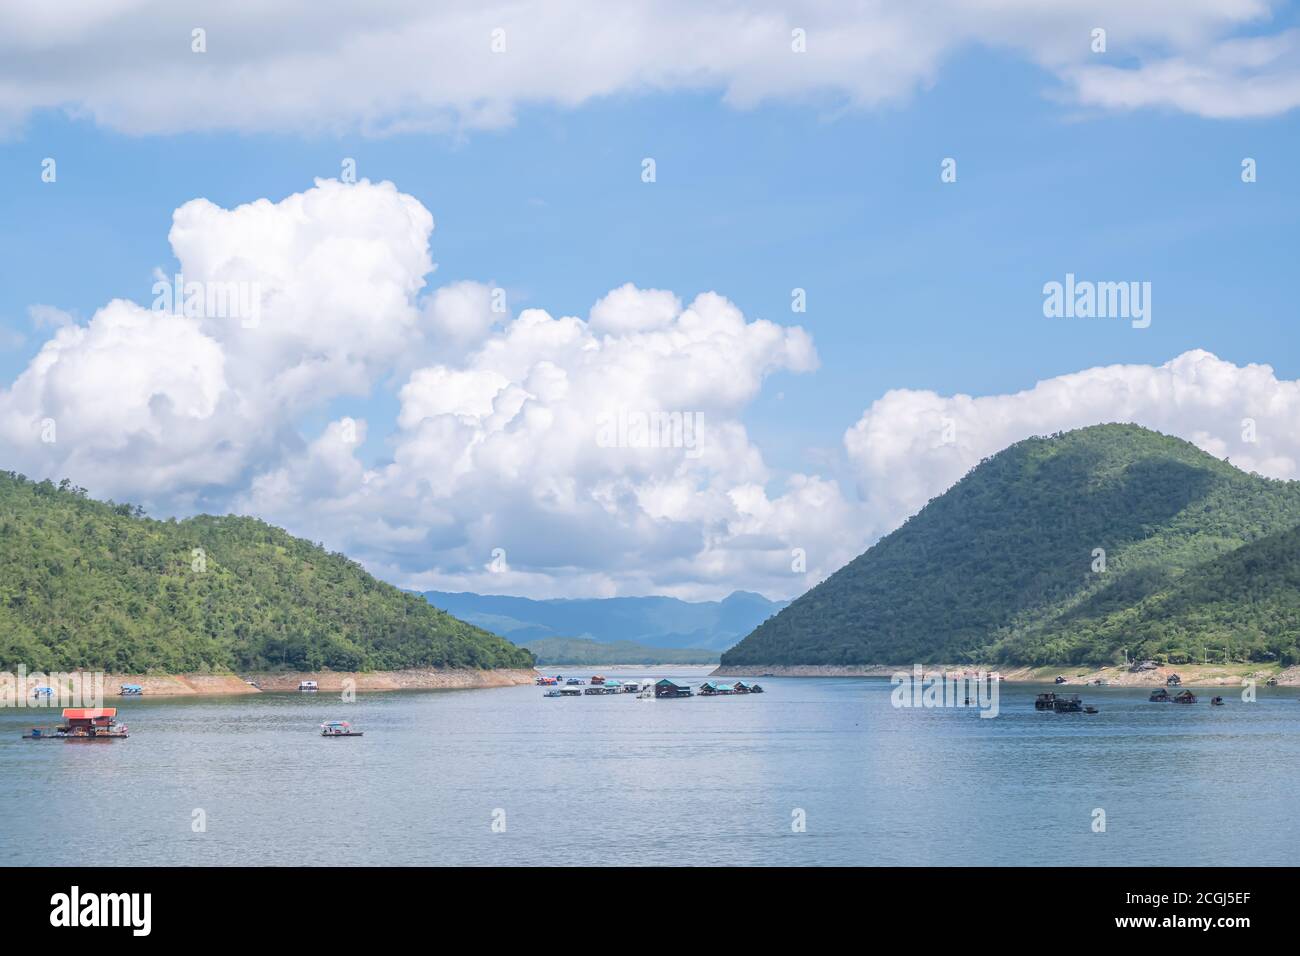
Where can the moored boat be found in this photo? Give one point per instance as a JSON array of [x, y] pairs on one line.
[[1217, 701], [339, 728]]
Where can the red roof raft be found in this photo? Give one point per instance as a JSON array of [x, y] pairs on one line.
[[83, 723]]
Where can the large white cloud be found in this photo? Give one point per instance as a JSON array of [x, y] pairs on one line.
[[410, 64], [531, 464], [174, 402]]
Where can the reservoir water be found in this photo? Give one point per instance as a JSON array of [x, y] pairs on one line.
[[506, 776]]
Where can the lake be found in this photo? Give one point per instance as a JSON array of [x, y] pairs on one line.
[[614, 780]]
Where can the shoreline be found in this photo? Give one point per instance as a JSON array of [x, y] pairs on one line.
[[1117, 676], [231, 685]]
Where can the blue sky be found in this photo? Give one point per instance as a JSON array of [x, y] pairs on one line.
[[911, 283]]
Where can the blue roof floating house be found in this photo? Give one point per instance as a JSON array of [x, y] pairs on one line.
[[670, 688]]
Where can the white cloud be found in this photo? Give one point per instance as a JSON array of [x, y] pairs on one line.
[[413, 65], [171, 408], [530, 435], [1248, 77], [910, 445]]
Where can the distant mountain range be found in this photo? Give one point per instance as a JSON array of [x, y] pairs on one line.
[[661, 622], [577, 650], [1068, 549]]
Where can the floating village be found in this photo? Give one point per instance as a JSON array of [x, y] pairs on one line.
[[665, 688]]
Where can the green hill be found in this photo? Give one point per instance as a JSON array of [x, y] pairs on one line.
[[1000, 568], [95, 585], [578, 650]]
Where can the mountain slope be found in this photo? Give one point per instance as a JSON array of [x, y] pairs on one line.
[[652, 621], [1000, 567], [94, 585]]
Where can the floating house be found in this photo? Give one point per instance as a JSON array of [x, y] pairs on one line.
[[714, 689], [132, 690], [741, 687], [567, 691], [1160, 695], [670, 688], [1186, 697], [307, 686], [1173, 680], [1044, 702], [83, 723], [1067, 705]]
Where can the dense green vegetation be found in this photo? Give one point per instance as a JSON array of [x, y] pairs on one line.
[[89, 584], [578, 650], [1200, 558]]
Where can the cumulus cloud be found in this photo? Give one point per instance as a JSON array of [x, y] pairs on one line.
[[413, 65], [912, 445], [174, 401], [564, 454]]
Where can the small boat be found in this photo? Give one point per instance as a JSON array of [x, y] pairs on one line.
[[597, 679], [554, 693], [339, 728], [1217, 701], [1091, 710], [43, 693], [132, 690], [1102, 682], [1062, 680], [307, 686]]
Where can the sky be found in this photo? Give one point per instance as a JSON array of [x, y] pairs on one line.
[[465, 278]]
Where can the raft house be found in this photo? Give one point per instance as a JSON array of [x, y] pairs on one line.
[[83, 723], [670, 688]]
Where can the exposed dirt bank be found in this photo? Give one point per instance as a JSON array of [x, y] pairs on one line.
[[1204, 674], [184, 685]]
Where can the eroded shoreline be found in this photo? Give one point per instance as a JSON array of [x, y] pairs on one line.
[[1198, 674], [228, 685]]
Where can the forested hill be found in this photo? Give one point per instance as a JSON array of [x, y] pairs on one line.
[[1199, 557], [96, 585]]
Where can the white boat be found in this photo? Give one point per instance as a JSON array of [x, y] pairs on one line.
[[339, 728]]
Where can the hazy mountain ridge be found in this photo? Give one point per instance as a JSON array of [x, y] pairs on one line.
[[662, 622]]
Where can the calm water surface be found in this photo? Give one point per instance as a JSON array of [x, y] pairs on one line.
[[616, 780]]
